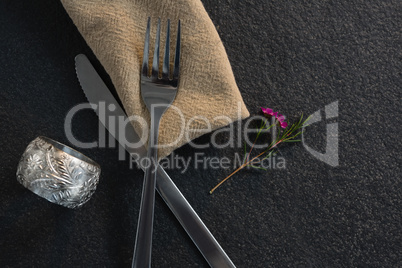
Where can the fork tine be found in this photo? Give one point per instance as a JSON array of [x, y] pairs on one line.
[[165, 70], [177, 55], [146, 50], [155, 64]]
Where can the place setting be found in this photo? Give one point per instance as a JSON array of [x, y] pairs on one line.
[[66, 177], [161, 143]]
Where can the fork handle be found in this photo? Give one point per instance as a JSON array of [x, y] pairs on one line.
[[143, 240]]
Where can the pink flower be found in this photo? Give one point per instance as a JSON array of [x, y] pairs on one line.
[[267, 111], [279, 117]]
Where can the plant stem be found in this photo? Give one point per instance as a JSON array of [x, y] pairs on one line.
[[237, 170], [283, 137], [219, 184]]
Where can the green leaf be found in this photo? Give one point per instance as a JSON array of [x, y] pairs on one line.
[[270, 154], [245, 149], [257, 167]]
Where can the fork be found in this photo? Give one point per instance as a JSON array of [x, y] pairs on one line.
[[157, 93]]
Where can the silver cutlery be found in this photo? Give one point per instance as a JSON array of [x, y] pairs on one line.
[[158, 92], [100, 97]]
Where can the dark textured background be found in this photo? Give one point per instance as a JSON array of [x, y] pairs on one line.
[[294, 56]]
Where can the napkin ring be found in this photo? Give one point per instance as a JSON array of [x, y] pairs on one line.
[[58, 173]]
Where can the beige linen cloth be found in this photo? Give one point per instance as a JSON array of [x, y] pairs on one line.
[[207, 98]]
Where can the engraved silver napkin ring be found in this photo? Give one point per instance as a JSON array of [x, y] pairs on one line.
[[58, 173]]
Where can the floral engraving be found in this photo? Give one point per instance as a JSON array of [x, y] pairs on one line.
[[56, 175]]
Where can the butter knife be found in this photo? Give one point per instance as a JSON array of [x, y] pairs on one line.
[[97, 92]]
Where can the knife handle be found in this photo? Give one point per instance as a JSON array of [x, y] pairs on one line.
[[191, 222]]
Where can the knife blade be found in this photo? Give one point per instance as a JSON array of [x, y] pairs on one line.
[[97, 92]]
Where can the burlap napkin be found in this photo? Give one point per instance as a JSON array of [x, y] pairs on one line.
[[207, 98]]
